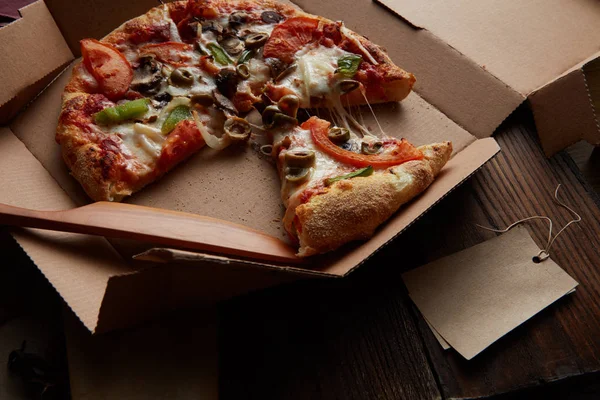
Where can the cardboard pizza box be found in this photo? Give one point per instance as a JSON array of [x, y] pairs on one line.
[[454, 99]]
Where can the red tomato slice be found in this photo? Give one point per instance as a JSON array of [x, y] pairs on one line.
[[290, 36], [168, 52], [110, 68], [181, 143], [401, 152]]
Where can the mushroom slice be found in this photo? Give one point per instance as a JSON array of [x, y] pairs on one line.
[[227, 80], [147, 76], [232, 45]]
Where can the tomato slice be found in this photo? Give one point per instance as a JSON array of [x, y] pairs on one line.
[[290, 36], [168, 52], [398, 151], [181, 143], [110, 68]]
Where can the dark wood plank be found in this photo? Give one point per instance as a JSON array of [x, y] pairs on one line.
[[341, 339], [564, 340], [30, 310]]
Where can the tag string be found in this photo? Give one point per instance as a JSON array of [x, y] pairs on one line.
[[545, 253]]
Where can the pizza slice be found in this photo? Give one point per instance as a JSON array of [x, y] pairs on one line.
[[338, 187]]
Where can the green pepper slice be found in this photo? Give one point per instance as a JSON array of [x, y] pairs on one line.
[[122, 112], [176, 115], [246, 55], [366, 171], [348, 65], [218, 54]]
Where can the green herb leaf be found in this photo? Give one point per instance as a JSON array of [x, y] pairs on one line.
[[219, 54], [348, 65], [122, 112], [366, 171], [177, 115]]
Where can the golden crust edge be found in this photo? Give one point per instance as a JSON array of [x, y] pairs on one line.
[[353, 209]]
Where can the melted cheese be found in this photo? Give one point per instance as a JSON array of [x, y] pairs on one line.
[[316, 66], [202, 84], [142, 142], [324, 167]]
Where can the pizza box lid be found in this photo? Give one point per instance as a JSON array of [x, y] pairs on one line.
[[543, 51], [464, 90]]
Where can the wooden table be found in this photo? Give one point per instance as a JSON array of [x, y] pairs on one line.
[[361, 337]]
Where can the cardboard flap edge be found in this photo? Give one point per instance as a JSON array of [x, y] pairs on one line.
[[410, 21], [26, 73], [166, 255], [564, 113]]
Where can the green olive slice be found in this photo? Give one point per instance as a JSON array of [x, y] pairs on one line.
[[268, 115], [280, 119], [181, 77], [370, 149], [237, 129], [338, 135], [289, 104], [300, 158], [296, 175], [243, 71], [203, 99], [256, 40]]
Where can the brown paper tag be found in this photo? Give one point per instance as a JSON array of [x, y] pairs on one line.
[[438, 337], [474, 297]]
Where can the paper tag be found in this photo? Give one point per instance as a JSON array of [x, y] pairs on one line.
[[438, 337], [474, 297]]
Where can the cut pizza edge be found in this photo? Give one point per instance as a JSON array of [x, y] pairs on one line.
[[352, 209]]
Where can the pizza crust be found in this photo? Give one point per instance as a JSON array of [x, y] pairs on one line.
[[353, 208]]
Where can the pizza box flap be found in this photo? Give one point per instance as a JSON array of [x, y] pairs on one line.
[[570, 95], [93, 18], [524, 46], [33, 52], [77, 266]]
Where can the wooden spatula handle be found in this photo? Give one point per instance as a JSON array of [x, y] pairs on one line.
[[165, 227]]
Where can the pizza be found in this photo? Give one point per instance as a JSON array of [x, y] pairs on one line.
[[198, 73]]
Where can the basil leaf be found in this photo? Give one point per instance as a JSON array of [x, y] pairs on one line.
[[348, 65], [366, 171]]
